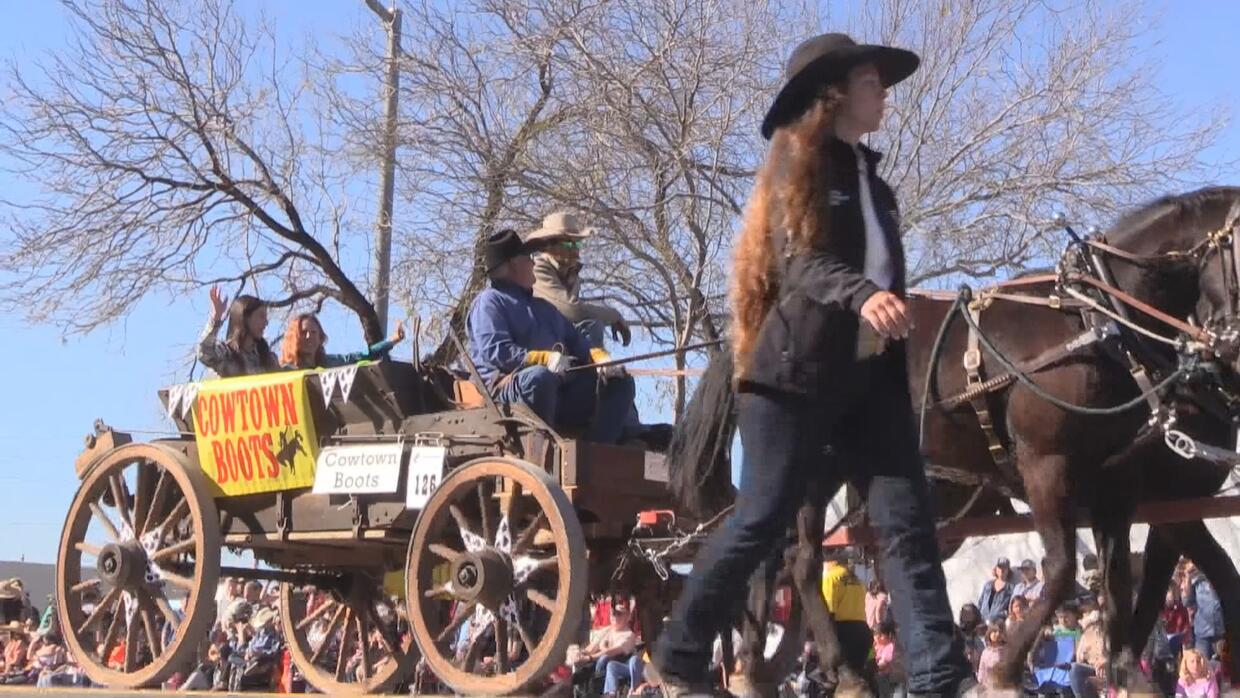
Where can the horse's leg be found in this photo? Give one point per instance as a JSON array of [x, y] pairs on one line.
[[753, 626], [1046, 483], [807, 577], [1160, 559], [1204, 550], [1111, 536]]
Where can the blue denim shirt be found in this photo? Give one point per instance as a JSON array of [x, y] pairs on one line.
[[993, 605], [1208, 620], [507, 321]]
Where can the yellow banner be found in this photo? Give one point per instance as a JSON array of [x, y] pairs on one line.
[[256, 433]]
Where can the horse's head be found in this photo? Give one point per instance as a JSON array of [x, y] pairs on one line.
[[1190, 249]]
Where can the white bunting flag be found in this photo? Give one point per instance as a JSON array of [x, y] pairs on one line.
[[345, 380], [327, 379], [175, 393], [189, 398]]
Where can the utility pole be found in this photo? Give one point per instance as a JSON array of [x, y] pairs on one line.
[[381, 279]]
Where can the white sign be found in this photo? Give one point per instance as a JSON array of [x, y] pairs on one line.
[[425, 472], [362, 469], [655, 467]]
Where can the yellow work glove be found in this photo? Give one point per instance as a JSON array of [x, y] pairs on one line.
[[599, 356], [555, 361]]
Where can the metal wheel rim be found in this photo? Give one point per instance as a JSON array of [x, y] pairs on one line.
[[182, 552], [353, 617], [553, 619]]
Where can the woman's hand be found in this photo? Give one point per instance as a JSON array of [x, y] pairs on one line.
[[887, 314], [219, 303], [398, 335]]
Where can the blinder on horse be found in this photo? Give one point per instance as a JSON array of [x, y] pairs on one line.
[[1083, 283]]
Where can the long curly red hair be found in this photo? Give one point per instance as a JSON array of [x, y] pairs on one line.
[[290, 348], [793, 180]]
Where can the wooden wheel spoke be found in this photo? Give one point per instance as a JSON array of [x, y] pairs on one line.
[[444, 552], [177, 580], [110, 637], [148, 624], [466, 529], [113, 595], [474, 653], [390, 643], [144, 483], [87, 548], [511, 503], [318, 612], [327, 636], [156, 503], [484, 511], [342, 659], [102, 517], [161, 602], [501, 643], [463, 613], [131, 640], [523, 633], [363, 636], [540, 599], [180, 511], [83, 586], [120, 495], [527, 534], [173, 550]]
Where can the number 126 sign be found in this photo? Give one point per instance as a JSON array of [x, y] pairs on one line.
[[425, 471]]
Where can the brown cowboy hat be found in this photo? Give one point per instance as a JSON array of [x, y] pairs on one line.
[[825, 59], [560, 225]]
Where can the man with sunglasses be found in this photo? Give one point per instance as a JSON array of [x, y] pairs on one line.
[[556, 250]]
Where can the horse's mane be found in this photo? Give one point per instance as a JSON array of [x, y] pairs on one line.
[[1190, 204]]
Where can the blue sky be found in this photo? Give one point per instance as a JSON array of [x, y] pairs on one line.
[[57, 388]]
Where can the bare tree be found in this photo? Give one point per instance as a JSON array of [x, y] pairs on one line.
[[175, 148], [1022, 108]]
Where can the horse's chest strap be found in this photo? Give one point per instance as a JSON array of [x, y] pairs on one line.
[[978, 392]]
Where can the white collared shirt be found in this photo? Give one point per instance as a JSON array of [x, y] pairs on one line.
[[879, 266]]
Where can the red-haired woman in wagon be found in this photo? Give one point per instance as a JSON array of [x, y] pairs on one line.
[[305, 342]]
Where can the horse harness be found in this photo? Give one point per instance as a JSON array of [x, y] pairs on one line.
[[1106, 313]]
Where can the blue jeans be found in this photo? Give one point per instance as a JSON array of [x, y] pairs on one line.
[[573, 400], [1078, 680], [870, 425], [614, 671]]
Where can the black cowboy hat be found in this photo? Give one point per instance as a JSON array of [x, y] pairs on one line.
[[501, 247], [825, 59]]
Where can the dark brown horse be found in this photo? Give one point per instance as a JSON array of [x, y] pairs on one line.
[[1063, 462]]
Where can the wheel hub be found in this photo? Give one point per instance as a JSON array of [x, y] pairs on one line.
[[122, 565], [484, 576]]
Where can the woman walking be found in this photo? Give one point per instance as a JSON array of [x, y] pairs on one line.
[[817, 334]]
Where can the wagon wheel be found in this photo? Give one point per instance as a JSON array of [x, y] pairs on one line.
[[142, 530], [496, 577], [354, 615]]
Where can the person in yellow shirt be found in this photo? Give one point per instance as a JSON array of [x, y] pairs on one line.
[[845, 598]]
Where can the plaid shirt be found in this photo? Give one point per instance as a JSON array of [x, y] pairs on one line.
[[227, 362]]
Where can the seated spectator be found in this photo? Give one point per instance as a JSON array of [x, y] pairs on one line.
[[1207, 613], [1090, 662], [996, 639], [1052, 658], [972, 632], [202, 678], [1029, 586], [1196, 681], [1222, 663], [15, 657], [523, 347], [304, 342], [1067, 622], [1017, 610], [878, 604], [243, 352], [997, 592], [254, 662], [612, 651], [54, 666]]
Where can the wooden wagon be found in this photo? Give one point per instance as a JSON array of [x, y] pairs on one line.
[[405, 516]]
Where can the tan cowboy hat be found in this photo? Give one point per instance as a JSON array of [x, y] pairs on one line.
[[264, 617], [559, 226]]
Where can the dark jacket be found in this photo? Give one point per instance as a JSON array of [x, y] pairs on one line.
[[811, 335]]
